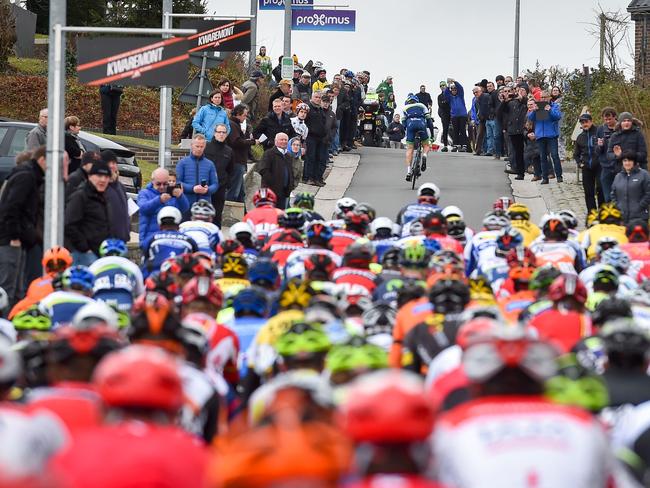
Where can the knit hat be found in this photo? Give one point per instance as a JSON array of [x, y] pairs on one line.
[[100, 168], [257, 74], [524, 86], [625, 115]]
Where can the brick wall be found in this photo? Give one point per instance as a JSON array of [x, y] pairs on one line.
[[642, 48], [152, 155]]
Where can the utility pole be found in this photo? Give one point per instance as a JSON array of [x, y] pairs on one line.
[[251, 58], [165, 136], [287, 28], [54, 204], [603, 19], [515, 67]]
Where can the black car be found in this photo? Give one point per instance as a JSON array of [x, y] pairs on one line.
[[12, 142]]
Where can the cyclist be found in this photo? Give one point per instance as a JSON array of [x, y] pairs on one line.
[[251, 309], [357, 224], [555, 248], [319, 237], [519, 215], [306, 201], [382, 233], [417, 120], [77, 289], [343, 206], [609, 224], [201, 295], [201, 229], [456, 226], [355, 268], [480, 253], [428, 196], [264, 217]]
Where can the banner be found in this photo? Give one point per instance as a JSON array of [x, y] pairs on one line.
[[219, 35], [279, 4], [323, 20], [132, 61]]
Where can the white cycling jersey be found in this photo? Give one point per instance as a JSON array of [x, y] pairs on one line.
[[295, 266], [206, 234], [445, 361]]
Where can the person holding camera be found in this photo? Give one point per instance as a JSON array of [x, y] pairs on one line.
[[515, 111], [157, 194], [197, 173]]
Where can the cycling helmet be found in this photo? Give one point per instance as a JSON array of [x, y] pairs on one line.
[[617, 258], [452, 211], [502, 203], [202, 288], [96, 342], [379, 319], [449, 296], [302, 106], [140, 377], [410, 99], [319, 267], [554, 227], [637, 231], [543, 277], [32, 318], [250, 301], [605, 243], [606, 279], [357, 221], [292, 218], [387, 407], [521, 256], [303, 340], [570, 219], [359, 255], [162, 282], [94, 314], [382, 226], [367, 209], [229, 246], [414, 255], [434, 222], [169, 215], [355, 356], [78, 278], [56, 259], [113, 247], [202, 210], [567, 286], [475, 330], [304, 199], [446, 261], [430, 190], [10, 364], [508, 239], [623, 337], [492, 221], [609, 213], [609, 309], [576, 386], [391, 258], [317, 230], [456, 228], [264, 272], [343, 206], [241, 228], [264, 196], [518, 211], [592, 218], [411, 290], [295, 295], [187, 265], [234, 265]]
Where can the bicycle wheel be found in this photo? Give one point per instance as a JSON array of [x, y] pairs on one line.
[[415, 165]]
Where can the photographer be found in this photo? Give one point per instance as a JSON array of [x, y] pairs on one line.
[[514, 111], [161, 192]]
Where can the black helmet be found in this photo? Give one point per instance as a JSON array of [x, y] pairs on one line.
[[449, 296], [390, 258], [610, 309]]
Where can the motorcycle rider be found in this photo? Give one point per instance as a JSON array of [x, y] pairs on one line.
[[417, 120]]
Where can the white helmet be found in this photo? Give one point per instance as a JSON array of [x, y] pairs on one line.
[[416, 228], [241, 228], [93, 313], [169, 212], [453, 210], [344, 205], [429, 189], [381, 223], [4, 299], [203, 209], [10, 363], [7, 330]]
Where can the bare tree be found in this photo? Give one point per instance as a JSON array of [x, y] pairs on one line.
[[610, 31]]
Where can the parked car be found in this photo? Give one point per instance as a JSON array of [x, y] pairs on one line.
[[12, 142]]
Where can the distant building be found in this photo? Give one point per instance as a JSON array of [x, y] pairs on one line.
[[640, 13]]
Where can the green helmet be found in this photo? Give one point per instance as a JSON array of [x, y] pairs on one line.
[[543, 277], [574, 385], [414, 255], [303, 340], [32, 319], [355, 355], [304, 200]]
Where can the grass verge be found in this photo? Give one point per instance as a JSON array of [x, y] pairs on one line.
[[28, 66]]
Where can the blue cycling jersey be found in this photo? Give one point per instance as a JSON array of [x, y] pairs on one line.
[[415, 211], [163, 245]]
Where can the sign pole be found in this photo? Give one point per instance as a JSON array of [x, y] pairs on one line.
[[515, 67], [54, 204], [287, 28], [253, 53], [201, 77], [164, 133]]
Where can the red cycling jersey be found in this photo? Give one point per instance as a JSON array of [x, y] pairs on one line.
[[355, 276], [394, 481], [564, 329], [263, 219], [447, 243], [341, 239]]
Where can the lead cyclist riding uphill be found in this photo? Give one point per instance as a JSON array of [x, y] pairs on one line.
[[417, 119]]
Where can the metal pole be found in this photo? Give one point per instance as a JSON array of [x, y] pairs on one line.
[[164, 135], [515, 67], [54, 205], [201, 78], [601, 64], [253, 53], [287, 28]]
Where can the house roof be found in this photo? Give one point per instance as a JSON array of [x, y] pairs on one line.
[[639, 6]]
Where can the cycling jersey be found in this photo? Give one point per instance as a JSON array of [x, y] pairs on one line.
[[341, 239], [162, 245], [527, 229], [593, 234], [447, 360], [408, 316], [61, 306], [117, 281], [355, 276], [223, 353], [564, 329], [393, 481], [388, 289], [281, 251], [513, 305], [414, 211], [262, 354], [229, 285], [206, 234], [480, 252], [425, 341], [383, 245], [639, 253], [625, 282], [417, 119], [295, 265], [200, 412], [565, 256], [263, 219], [246, 329]]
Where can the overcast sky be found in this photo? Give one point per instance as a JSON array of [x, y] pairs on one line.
[[425, 41]]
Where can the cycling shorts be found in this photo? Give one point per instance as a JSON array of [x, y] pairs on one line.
[[414, 127]]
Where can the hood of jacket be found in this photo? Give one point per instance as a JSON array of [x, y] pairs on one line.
[[636, 125]]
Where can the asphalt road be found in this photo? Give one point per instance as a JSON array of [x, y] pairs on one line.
[[470, 182]]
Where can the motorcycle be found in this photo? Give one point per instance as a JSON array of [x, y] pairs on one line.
[[372, 124]]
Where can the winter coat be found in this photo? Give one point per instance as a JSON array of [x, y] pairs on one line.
[[277, 172], [483, 104], [119, 208], [456, 102], [35, 138], [251, 90], [550, 127], [396, 131], [272, 125], [632, 194], [586, 150], [514, 116], [221, 155], [424, 99], [301, 92], [604, 133], [87, 219], [494, 104], [316, 122], [330, 125], [444, 109], [149, 203], [75, 149], [208, 117], [19, 204], [240, 143], [190, 171], [629, 140]]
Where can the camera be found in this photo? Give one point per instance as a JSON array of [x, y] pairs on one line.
[[204, 182], [170, 188]]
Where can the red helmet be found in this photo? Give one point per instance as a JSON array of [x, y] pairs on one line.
[[140, 377], [202, 288], [476, 329], [229, 246], [357, 221], [521, 256], [387, 407], [96, 342], [264, 196], [320, 263], [502, 203], [567, 286], [162, 282], [188, 265]]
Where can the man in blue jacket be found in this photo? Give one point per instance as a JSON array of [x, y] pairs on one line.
[[197, 173], [547, 132], [455, 95], [155, 196]]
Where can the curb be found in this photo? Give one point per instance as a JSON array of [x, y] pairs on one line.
[[527, 192]]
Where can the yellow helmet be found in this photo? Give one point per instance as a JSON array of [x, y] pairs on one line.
[[592, 217], [518, 211], [609, 212]]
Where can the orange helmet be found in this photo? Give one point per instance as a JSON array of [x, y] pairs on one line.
[[56, 259]]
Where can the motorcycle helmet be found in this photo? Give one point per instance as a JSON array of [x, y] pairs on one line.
[[292, 218], [113, 247], [518, 211], [343, 206], [304, 199], [202, 210], [554, 227], [169, 215], [264, 196], [56, 259]]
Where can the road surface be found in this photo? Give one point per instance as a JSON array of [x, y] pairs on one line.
[[470, 182]]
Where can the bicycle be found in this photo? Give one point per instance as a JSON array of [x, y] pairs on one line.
[[416, 161]]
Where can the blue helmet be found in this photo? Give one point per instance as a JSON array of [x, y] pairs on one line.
[[250, 301], [318, 229], [264, 272], [617, 258], [113, 247], [77, 278], [410, 98]]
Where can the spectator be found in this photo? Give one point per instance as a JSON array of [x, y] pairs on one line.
[[631, 189], [265, 63], [241, 141], [321, 83], [210, 115], [120, 224], [19, 212], [627, 138], [88, 216], [251, 89], [535, 90], [277, 71], [455, 96], [316, 150], [276, 169], [196, 173], [22, 157], [531, 150], [275, 121], [73, 145], [80, 175], [229, 93], [302, 91], [221, 155], [286, 106], [607, 166], [298, 122], [585, 154], [424, 97], [444, 112], [284, 89], [330, 125], [110, 95], [391, 105], [396, 132], [343, 109], [297, 72], [295, 151], [547, 133], [333, 93], [500, 81], [514, 110], [386, 86], [483, 106], [159, 193], [493, 131], [37, 137]]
